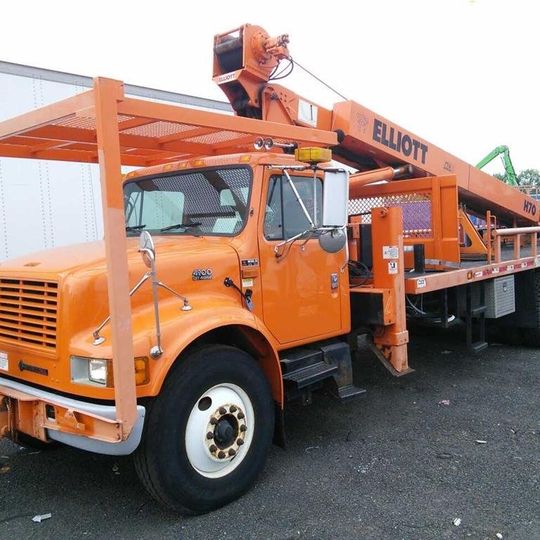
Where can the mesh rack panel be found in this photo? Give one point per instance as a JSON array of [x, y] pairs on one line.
[[416, 211]]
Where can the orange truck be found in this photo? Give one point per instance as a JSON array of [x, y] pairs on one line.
[[241, 261]]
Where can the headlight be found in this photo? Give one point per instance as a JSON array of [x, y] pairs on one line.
[[97, 371], [91, 371]]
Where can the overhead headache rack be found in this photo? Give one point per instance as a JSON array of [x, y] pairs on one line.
[[149, 133]]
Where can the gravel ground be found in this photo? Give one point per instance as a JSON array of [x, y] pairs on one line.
[[403, 461]]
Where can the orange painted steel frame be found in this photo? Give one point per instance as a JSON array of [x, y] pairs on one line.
[[437, 281], [108, 94], [471, 243], [442, 243], [389, 273]]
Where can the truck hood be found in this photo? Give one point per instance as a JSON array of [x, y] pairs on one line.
[[62, 261], [188, 265], [67, 292]]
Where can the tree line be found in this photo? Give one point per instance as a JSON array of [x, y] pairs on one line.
[[527, 177]]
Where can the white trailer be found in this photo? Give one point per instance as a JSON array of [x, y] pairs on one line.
[[44, 204]]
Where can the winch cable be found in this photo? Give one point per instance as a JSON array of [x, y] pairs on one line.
[[320, 80], [278, 74]]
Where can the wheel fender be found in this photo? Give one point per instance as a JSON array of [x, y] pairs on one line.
[[179, 334]]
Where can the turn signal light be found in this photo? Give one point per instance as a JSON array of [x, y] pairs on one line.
[[141, 370]]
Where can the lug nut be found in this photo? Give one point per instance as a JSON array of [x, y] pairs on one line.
[[233, 408], [239, 442], [209, 435], [240, 415], [213, 448], [222, 410], [232, 452], [221, 454], [243, 428], [213, 420]]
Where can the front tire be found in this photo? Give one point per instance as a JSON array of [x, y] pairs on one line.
[[208, 433]]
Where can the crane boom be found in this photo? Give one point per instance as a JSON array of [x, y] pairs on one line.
[[367, 140]]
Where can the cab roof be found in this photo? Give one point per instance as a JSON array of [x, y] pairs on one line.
[[248, 158]]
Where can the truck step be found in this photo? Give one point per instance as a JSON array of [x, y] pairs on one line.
[[477, 311], [310, 374], [349, 392], [478, 346], [306, 369], [300, 358]]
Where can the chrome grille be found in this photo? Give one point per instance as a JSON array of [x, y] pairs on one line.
[[28, 310]]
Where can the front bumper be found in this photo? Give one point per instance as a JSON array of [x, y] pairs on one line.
[[45, 415]]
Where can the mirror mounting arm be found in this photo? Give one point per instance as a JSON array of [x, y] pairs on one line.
[[299, 199], [98, 340], [146, 248], [291, 240]]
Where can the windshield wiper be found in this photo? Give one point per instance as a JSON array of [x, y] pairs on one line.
[[180, 226], [134, 227]]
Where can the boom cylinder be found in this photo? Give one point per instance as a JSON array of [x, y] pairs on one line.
[[358, 180]]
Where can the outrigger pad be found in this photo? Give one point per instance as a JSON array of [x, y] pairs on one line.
[[384, 361]]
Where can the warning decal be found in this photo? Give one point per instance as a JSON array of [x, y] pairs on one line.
[[390, 252]]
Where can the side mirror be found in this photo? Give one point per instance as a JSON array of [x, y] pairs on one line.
[[335, 198], [147, 249]]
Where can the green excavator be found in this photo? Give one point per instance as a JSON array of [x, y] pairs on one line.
[[503, 151]]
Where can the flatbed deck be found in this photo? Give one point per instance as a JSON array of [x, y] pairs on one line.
[[471, 271]]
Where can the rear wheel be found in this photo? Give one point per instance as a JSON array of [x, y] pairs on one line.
[[208, 433]]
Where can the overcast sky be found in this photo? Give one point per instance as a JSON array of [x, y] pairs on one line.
[[463, 74]]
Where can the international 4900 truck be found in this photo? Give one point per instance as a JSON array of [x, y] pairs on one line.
[[241, 261]]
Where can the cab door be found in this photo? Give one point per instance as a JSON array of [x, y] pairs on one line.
[[301, 282]]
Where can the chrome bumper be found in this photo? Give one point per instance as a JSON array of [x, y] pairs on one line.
[[83, 442]]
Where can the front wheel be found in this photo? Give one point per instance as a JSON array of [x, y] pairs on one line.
[[209, 431]]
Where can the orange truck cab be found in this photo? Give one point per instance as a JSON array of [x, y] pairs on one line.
[[223, 264]]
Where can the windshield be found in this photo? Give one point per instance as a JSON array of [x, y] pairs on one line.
[[196, 202]]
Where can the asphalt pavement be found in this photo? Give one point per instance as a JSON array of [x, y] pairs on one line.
[[450, 451]]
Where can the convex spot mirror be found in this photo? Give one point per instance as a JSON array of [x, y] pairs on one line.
[[332, 240], [147, 249], [335, 198]]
